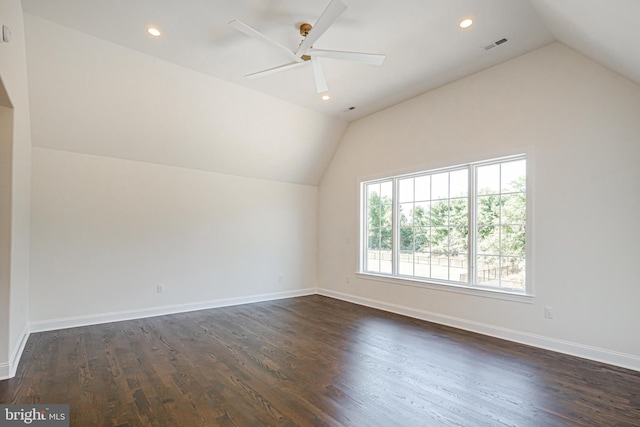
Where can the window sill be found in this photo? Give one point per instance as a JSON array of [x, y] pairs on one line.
[[460, 289]]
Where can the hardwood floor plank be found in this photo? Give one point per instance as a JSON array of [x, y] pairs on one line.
[[312, 361]]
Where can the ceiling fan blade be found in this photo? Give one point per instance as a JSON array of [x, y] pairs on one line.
[[251, 32], [321, 82], [328, 17], [367, 58], [274, 70]]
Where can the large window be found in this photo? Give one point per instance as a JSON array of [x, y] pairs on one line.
[[464, 225]]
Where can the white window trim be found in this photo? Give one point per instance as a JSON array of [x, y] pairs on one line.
[[450, 286]]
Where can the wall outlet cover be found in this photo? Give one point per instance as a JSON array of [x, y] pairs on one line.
[[6, 34]]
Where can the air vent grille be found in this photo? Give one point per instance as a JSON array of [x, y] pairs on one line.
[[495, 44]]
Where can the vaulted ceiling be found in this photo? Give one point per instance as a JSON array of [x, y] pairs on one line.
[[100, 85], [423, 44], [605, 31]]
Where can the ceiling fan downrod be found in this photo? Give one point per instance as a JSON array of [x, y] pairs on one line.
[[305, 29]]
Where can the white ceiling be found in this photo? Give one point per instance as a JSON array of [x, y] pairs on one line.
[[425, 48], [605, 31]]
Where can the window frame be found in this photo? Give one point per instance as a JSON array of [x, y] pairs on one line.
[[472, 288]]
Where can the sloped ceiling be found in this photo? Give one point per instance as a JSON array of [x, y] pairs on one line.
[[93, 97], [289, 141], [605, 31], [423, 44]]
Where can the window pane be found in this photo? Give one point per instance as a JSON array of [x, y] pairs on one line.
[[423, 188], [458, 212], [458, 268], [459, 183], [488, 270], [422, 239], [373, 261], [385, 262], [405, 264], [513, 176], [513, 240], [458, 240], [422, 214], [373, 221], [380, 216], [373, 190], [405, 211], [514, 209], [440, 213], [489, 179], [405, 189], [422, 264], [440, 240], [386, 191], [385, 215], [440, 267], [440, 186], [502, 245], [373, 242], [489, 240], [379, 213], [385, 239], [406, 239], [488, 209], [513, 275]]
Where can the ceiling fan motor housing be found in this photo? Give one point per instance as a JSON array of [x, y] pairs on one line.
[[305, 29]]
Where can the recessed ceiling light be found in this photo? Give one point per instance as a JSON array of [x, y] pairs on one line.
[[325, 97], [466, 23], [153, 31]]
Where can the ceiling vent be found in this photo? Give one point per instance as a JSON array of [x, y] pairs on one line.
[[495, 44]]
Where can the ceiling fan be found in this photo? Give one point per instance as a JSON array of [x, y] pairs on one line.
[[306, 52]]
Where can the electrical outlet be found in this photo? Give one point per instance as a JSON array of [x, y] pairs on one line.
[[6, 35], [160, 288], [548, 312], [280, 278], [347, 279]]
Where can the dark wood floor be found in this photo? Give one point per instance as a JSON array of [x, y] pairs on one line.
[[312, 361]]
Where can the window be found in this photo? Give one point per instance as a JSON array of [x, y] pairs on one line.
[[463, 226]]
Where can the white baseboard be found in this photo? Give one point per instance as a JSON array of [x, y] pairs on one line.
[[94, 319], [8, 370], [574, 349]]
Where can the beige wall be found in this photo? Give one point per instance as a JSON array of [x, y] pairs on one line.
[[147, 173], [16, 141], [106, 231], [579, 122]]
